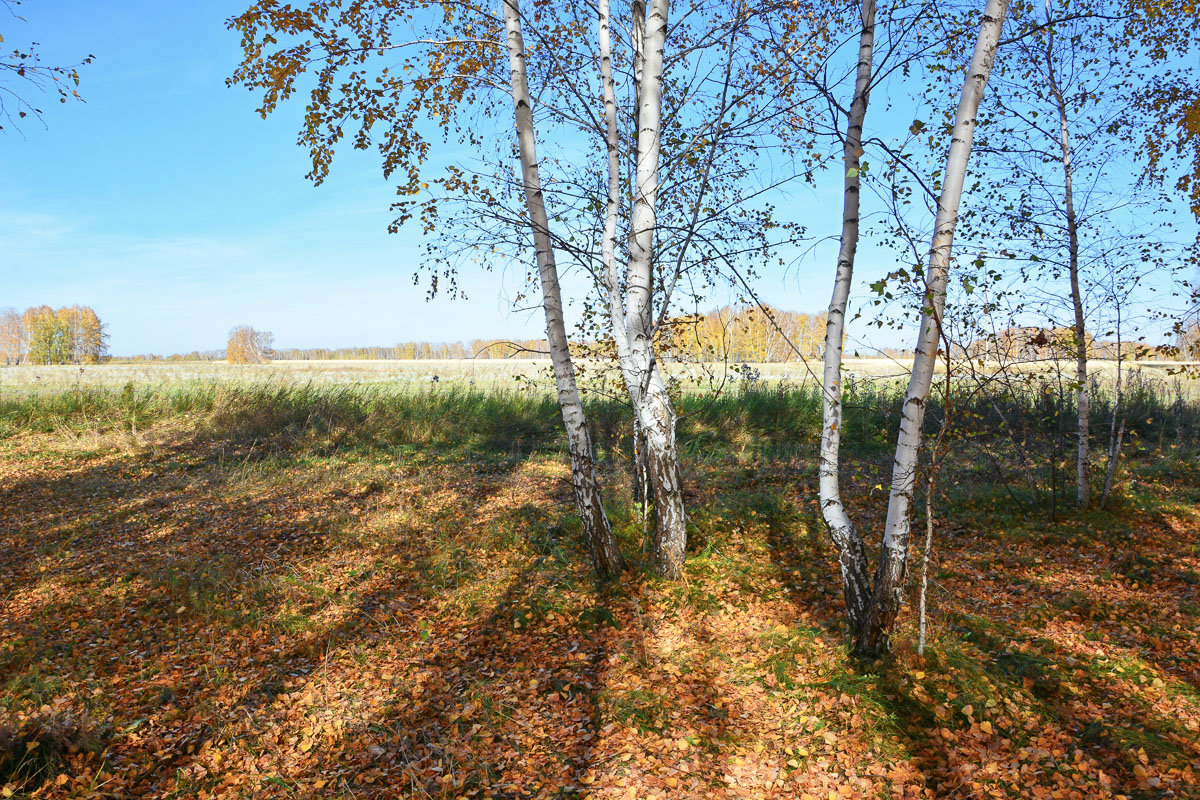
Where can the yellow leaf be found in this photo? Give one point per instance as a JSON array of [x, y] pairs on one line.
[[986, 727], [30, 746]]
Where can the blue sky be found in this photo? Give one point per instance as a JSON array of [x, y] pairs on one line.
[[175, 211], [169, 206]]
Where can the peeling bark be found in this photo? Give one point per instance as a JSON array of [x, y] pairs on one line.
[[606, 555], [632, 317]]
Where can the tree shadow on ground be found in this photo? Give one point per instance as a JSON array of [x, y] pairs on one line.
[[150, 588]]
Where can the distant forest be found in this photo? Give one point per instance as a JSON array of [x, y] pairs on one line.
[[44, 335], [731, 333], [735, 334]]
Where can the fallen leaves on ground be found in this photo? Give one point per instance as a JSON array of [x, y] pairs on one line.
[[227, 622]]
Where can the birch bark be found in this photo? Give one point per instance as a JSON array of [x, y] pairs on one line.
[[875, 632], [852, 557], [634, 322], [606, 555], [608, 242]]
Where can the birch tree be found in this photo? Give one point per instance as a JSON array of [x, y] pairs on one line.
[[247, 345], [12, 336], [632, 316], [851, 553], [606, 555], [873, 603], [689, 218], [876, 627], [450, 82]]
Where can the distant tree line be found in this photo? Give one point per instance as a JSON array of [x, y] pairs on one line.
[[411, 351], [732, 333], [750, 333], [1035, 343], [43, 335]]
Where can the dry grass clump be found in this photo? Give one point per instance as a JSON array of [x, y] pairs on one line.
[[37, 748]]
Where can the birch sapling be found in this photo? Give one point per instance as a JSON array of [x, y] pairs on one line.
[[1082, 493]]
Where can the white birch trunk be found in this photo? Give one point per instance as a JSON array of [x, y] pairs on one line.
[[608, 242], [852, 556], [606, 555], [648, 391], [874, 635]]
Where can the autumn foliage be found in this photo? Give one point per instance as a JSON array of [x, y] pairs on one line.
[[754, 333], [248, 346], [43, 335]]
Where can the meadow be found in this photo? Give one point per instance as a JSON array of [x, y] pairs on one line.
[[336, 583], [481, 373]]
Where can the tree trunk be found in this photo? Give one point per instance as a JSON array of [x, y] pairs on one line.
[[852, 556], [1082, 492], [647, 390], [606, 555], [608, 245], [669, 541], [874, 636]]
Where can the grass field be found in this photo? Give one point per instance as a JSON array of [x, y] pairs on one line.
[[481, 373], [344, 588]]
